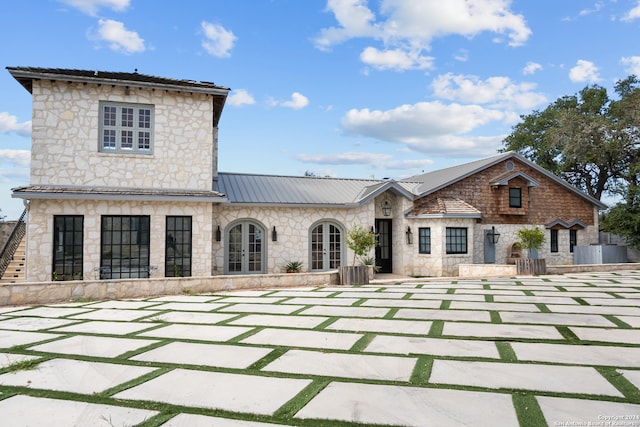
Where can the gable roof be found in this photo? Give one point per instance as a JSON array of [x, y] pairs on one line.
[[305, 190], [431, 182]]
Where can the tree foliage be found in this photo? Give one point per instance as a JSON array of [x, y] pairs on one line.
[[531, 238], [593, 142], [360, 241]]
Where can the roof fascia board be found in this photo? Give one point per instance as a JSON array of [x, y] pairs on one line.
[[440, 216], [28, 195], [388, 186]]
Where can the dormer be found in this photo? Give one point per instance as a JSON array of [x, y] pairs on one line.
[[511, 191]]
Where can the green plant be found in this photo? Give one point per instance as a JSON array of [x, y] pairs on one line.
[[360, 241], [54, 276], [370, 262], [531, 238], [293, 267]]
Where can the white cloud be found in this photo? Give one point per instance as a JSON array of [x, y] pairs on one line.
[[218, 40], [631, 64], [495, 91], [634, 13], [584, 71], [424, 126], [395, 59], [375, 160], [411, 25], [119, 38], [240, 97], [9, 123], [91, 7], [297, 102], [531, 68], [19, 158]]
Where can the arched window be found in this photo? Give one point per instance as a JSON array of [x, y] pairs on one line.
[[245, 248], [327, 248]]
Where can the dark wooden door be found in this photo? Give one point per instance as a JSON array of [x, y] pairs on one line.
[[384, 254]]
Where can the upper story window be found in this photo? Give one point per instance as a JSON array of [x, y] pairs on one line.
[[126, 128], [515, 197]]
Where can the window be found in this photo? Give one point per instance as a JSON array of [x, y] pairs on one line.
[[126, 128], [326, 249], [515, 198], [124, 247], [245, 252], [554, 240], [573, 239], [177, 259], [424, 240], [67, 247], [456, 240]]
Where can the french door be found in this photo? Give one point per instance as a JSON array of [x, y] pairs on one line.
[[245, 248], [384, 254], [326, 247]]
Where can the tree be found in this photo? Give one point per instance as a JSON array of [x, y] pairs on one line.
[[623, 221], [531, 238], [360, 241]]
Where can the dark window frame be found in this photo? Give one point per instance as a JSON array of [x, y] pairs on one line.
[[179, 246], [515, 197], [125, 234], [456, 240], [554, 241], [424, 240], [68, 247], [573, 239]]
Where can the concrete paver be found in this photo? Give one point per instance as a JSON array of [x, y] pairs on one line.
[[409, 406], [554, 350], [218, 390]]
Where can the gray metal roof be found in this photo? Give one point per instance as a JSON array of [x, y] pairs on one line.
[[304, 190]]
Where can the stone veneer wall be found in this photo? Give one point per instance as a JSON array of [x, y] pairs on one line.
[[65, 138], [40, 233], [293, 227], [74, 290]]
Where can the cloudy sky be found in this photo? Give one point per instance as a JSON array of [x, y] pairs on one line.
[[346, 88]]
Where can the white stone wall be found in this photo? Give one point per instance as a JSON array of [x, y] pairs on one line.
[[40, 233], [293, 227], [66, 141]]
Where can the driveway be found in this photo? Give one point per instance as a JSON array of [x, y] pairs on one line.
[[548, 350]]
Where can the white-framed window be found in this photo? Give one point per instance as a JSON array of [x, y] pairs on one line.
[[126, 128]]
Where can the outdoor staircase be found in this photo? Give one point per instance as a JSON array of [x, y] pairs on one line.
[[15, 270]]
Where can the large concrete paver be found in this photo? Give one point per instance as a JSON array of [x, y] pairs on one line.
[[196, 332], [192, 420], [301, 338], [87, 345], [432, 346], [415, 327], [218, 390], [595, 355], [560, 411], [501, 330], [409, 406]]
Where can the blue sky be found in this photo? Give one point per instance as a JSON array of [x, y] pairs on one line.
[[345, 88]]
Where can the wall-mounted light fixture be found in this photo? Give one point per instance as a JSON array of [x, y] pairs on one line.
[[274, 234], [386, 208], [493, 235], [218, 234], [409, 236]]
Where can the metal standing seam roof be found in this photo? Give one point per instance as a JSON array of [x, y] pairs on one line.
[[303, 190]]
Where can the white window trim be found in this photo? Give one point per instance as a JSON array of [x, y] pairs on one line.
[[118, 128]]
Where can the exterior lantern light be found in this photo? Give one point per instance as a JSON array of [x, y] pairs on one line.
[[218, 234], [274, 234], [494, 236], [386, 208], [409, 236]]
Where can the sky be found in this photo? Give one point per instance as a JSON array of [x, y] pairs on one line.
[[340, 88]]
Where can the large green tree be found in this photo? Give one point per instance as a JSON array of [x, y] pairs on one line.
[[593, 142]]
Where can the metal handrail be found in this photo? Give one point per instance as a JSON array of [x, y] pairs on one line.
[[12, 243]]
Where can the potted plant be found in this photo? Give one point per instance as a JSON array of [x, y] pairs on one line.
[[360, 241], [370, 262], [293, 267], [531, 239]]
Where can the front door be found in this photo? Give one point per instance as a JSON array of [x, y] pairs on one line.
[[384, 259], [489, 248], [246, 251]]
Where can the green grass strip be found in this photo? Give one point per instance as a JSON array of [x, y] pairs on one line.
[[451, 291], [359, 302], [157, 420], [528, 411], [506, 352], [619, 323], [363, 342], [580, 301], [276, 353], [392, 312], [623, 385], [495, 316], [422, 371], [529, 293], [488, 298], [326, 323], [445, 304], [568, 334], [436, 328], [292, 407], [542, 307]]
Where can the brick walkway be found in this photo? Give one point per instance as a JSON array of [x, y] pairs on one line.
[[549, 350]]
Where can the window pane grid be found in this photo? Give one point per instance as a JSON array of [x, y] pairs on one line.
[[124, 247], [67, 247], [456, 240], [126, 128], [424, 237], [554, 240], [178, 248], [515, 198]]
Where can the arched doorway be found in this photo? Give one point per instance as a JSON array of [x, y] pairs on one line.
[[245, 248], [327, 246]]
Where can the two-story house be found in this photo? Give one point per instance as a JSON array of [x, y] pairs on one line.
[[124, 183]]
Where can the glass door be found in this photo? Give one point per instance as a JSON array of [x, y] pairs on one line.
[[326, 247], [245, 249]]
